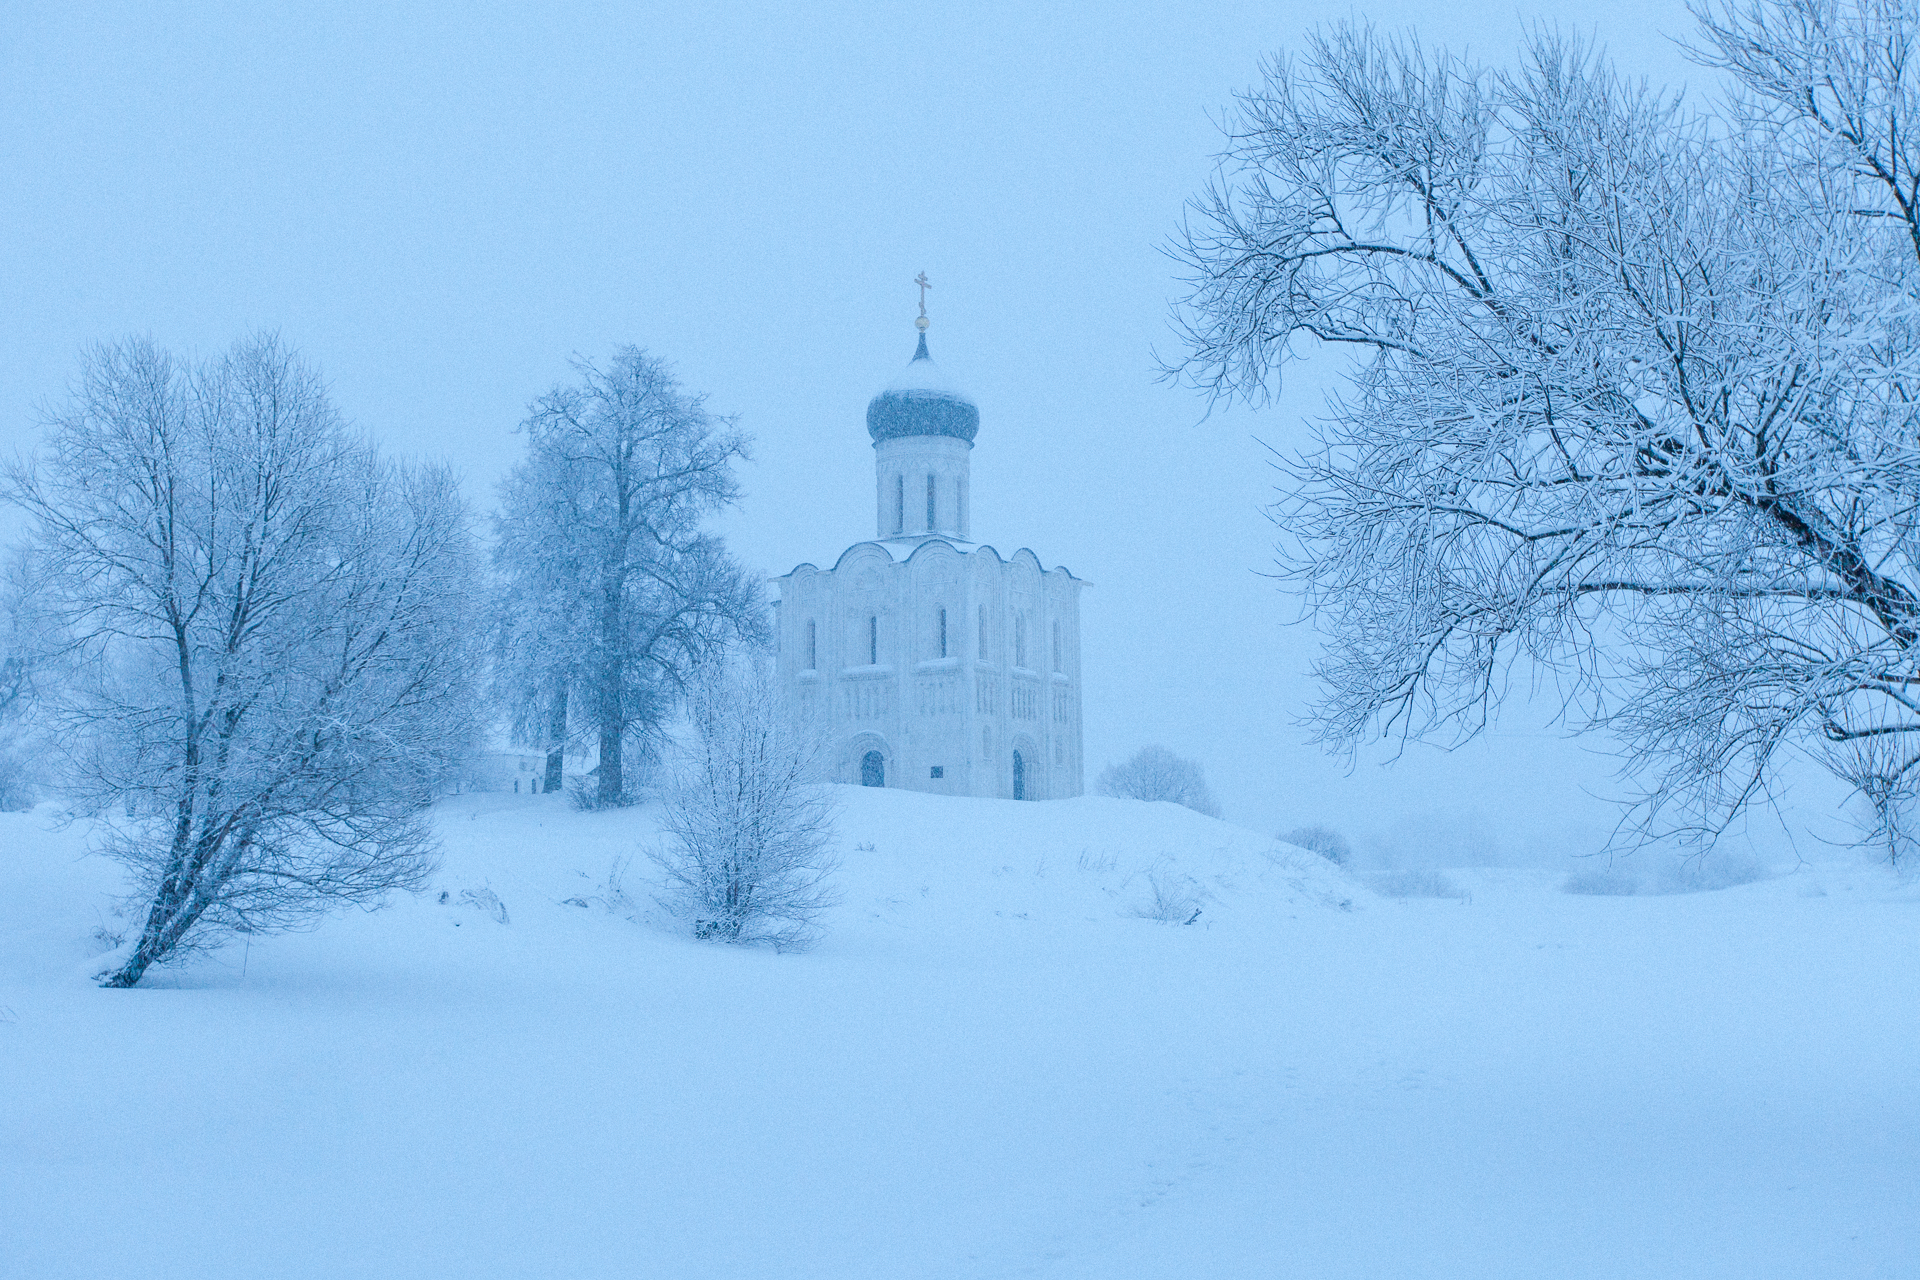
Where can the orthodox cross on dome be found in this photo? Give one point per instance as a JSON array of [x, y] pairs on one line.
[[925, 284]]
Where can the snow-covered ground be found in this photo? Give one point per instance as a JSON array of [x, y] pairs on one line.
[[994, 1065]]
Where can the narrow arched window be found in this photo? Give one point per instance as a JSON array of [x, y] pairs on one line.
[[873, 642], [899, 504], [1056, 646], [813, 646], [931, 506], [943, 633], [983, 633], [1019, 639]]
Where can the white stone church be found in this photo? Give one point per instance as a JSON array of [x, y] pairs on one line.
[[923, 659]]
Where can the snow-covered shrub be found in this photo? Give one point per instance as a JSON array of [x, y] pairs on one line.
[[1155, 773], [485, 901], [16, 786], [1716, 869], [1415, 884], [1171, 898], [1670, 873], [583, 794], [24, 662], [1325, 841], [746, 859], [1604, 881]]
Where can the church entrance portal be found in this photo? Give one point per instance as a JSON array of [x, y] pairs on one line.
[[873, 770], [1019, 776]]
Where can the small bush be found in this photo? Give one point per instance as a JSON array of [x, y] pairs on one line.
[[482, 899], [17, 792], [747, 855], [486, 901], [1608, 881], [1706, 872], [1325, 841], [1698, 873], [583, 795], [1173, 899], [1416, 884]]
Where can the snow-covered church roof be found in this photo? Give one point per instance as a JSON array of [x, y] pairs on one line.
[[921, 402]]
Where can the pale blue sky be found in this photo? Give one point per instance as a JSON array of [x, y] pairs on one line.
[[439, 204]]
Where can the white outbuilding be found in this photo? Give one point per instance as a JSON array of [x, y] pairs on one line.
[[923, 659]]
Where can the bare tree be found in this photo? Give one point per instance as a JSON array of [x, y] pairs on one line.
[[268, 627], [1631, 404], [614, 595], [1155, 773], [748, 857]]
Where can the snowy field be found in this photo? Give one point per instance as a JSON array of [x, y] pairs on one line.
[[995, 1065]]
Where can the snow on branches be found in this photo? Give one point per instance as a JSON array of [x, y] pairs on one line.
[[266, 627], [613, 594], [1634, 398]]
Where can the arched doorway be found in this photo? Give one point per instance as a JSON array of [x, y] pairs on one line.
[[873, 770], [1019, 776]]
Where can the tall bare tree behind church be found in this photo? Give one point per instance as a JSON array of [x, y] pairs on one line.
[[613, 594]]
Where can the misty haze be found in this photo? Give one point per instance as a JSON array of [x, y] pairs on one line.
[[1213, 640]]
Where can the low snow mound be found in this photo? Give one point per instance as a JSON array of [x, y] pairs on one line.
[[916, 873], [931, 861]]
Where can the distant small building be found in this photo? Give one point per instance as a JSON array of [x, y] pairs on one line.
[[503, 770], [924, 659]]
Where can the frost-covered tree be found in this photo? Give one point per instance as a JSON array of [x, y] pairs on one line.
[[1155, 773], [1632, 393], [613, 594], [536, 636], [749, 834], [24, 665], [267, 628]]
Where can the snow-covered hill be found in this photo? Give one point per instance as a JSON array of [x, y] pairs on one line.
[[1084, 1038]]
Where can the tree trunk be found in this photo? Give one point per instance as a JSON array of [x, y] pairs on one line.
[[130, 973], [556, 739], [611, 785], [167, 922], [613, 674]]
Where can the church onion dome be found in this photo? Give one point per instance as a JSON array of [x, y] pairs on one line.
[[920, 402]]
